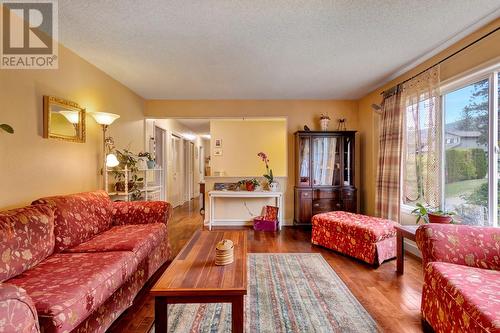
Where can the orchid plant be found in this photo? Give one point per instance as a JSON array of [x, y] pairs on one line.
[[269, 175]]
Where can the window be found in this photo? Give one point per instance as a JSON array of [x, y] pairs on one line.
[[469, 156], [466, 112]]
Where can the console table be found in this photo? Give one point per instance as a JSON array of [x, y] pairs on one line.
[[212, 195]]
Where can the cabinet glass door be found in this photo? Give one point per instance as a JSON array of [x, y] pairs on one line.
[[326, 161], [304, 160], [348, 159]]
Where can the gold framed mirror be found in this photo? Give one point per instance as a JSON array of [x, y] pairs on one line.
[[63, 120]]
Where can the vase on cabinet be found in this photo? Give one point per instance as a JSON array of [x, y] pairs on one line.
[[324, 122]]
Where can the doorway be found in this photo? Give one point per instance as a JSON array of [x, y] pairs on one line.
[[174, 181], [157, 146], [189, 170]]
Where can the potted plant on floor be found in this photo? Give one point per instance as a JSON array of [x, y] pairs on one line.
[[273, 185], [128, 163], [428, 215]]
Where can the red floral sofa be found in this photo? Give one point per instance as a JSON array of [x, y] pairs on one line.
[[367, 238], [461, 290], [76, 262]]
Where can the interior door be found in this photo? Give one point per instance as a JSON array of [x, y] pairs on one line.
[[159, 152], [175, 179], [191, 170]]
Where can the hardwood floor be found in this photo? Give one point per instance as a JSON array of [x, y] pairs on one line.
[[392, 300]]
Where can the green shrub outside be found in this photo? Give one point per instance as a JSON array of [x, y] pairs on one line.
[[460, 165]]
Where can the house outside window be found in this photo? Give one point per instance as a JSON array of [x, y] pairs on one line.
[[469, 155]]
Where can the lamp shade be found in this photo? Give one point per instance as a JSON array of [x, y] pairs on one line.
[[111, 161], [72, 116], [104, 118]]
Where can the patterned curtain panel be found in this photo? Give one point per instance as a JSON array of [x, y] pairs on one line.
[[389, 159], [420, 101]]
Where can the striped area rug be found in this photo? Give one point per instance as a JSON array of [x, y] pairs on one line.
[[286, 293]]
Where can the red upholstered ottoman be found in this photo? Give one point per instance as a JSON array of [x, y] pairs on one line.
[[367, 238]]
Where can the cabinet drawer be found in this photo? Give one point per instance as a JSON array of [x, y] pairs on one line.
[[305, 194], [325, 205], [326, 194]]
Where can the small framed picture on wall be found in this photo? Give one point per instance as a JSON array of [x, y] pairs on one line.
[[217, 152], [218, 143]]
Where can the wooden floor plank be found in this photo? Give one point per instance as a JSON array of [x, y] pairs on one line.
[[392, 300]]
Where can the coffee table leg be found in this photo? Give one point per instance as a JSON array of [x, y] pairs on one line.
[[400, 244], [237, 313], [161, 322]]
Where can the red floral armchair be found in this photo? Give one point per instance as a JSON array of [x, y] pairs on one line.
[[461, 290]]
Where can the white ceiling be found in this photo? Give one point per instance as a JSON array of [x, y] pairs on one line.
[[263, 49], [198, 126]]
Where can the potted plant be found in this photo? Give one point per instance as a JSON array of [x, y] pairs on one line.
[[150, 159], [428, 215], [250, 184], [324, 121], [129, 161], [7, 128], [273, 185]]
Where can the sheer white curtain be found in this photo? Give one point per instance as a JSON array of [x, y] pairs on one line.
[[324, 150], [420, 100]]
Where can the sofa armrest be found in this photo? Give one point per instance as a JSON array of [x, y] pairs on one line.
[[460, 244], [141, 212], [17, 311]]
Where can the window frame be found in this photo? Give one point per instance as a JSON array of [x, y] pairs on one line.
[[490, 71]]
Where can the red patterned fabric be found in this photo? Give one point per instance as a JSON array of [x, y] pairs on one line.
[[67, 287], [17, 311], [460, 244], [79, 217], [101, 319], [27, 236], [367, 238], [458, 298], [140, 239], [141, 212]]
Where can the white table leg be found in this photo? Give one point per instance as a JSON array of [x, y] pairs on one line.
[[211, 215], [280, 212]]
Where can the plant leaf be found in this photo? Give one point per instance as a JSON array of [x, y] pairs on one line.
[[7, 128]]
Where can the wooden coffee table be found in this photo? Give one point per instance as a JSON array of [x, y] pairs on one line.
[[403, 231], [194, 278]]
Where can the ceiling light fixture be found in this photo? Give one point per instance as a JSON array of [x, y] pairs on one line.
[[189, 136]]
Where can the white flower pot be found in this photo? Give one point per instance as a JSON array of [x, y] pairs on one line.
[[274, 186]]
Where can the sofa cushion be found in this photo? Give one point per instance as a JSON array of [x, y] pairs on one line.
[[366, 228], [27, 236], [140, 239], [141, 212], [475, 291], [67, 287], [79, 217]]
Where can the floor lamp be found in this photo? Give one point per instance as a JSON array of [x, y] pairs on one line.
[[109, 159]]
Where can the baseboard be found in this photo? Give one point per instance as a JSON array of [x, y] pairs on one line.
[[411, 247]]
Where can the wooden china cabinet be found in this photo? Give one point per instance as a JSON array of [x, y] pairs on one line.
[[324, 181]]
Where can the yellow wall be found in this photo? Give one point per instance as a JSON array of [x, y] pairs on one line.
[[242, 140], [297, 112], [31, 166], [477, 54]]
